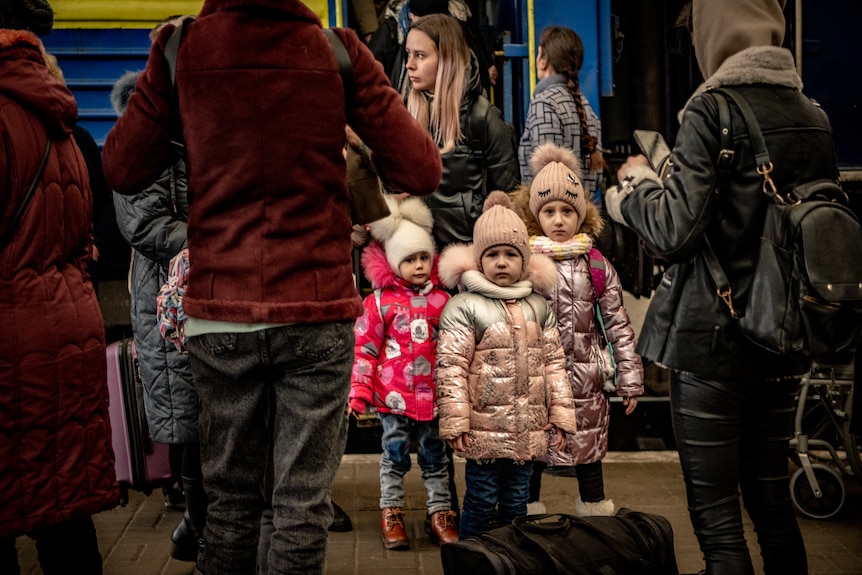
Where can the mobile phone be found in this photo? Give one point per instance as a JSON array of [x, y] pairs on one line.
[[654, 147]]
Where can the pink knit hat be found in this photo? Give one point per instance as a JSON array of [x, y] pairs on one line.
[[499, 225], [558, 177]]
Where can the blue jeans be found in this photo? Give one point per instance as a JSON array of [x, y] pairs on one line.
[[284, 388], [502, 485], [732, 437], [395, 461]]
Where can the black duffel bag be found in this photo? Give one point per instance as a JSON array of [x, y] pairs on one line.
[[631, 542]]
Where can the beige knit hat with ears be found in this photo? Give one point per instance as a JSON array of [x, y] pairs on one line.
[[558, 177], [499, 225], [406, 231]]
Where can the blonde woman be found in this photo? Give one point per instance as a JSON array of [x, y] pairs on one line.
[[476, 144]]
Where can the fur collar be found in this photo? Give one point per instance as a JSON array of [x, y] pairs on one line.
[[9, 38], [757, 65], [123, 89], [458, 259], [378, 272]]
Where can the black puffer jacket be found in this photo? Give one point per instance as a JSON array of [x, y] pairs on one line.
[[154, 223], [485, 161], [688, 327]]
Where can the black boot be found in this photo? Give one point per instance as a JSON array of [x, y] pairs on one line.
[[340, 520], [184, 543], [196, 500]]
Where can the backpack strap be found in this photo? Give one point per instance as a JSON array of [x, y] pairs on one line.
[[598, 271], [758, 144], [172, 48], [476, 133], [598, 278], [764, 167], [377, 294], [345, 66]]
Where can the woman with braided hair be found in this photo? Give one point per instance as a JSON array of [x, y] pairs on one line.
[[559, 112]]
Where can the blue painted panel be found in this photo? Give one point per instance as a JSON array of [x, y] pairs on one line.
[[91, 61], [582, 16]]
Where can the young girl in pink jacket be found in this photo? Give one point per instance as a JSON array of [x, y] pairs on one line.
[[393, 373]]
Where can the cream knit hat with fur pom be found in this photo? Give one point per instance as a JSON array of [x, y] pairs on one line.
[[406, 231]]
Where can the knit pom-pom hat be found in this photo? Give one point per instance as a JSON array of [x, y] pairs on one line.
[[405, 231], [499, 225], [558, 177]]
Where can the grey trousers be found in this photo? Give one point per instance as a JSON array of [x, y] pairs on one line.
[[283, 391]]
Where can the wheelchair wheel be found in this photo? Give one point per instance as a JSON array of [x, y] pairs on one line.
[[833, 492]]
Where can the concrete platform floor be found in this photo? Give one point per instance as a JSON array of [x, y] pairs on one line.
[[134, 538]]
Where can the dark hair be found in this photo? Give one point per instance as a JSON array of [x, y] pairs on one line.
[[34, 15], [421, 8], [563, 49]]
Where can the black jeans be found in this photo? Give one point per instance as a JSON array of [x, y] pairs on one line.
[[732, 437], [591, 483]]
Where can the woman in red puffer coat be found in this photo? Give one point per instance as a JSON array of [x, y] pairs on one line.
[[57, 465]]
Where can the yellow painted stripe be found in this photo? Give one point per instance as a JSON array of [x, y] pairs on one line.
[[339, 16], [138, 13]]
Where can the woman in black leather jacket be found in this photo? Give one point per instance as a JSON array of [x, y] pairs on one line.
[[445, 96], [732, 402]]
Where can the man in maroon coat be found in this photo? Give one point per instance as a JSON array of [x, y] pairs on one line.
[[271, 299]]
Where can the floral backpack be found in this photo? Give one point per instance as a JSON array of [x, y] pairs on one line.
[[169, 303]]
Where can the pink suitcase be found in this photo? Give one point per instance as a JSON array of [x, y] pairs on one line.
[[141, 463]]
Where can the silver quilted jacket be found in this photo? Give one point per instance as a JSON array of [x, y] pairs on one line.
[[501, 376]]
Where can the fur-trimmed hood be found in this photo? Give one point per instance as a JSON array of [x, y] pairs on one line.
[[593, 224], [376, 268], [123, 90], [457, 259]]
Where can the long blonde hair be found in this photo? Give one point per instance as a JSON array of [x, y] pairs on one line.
[[440, 113]]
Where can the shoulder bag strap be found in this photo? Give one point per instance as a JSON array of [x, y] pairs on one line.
[[345, 66], [764, 168], [13, 223]]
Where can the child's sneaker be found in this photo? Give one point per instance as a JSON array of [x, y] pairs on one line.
[[536, 508], [592, 508]]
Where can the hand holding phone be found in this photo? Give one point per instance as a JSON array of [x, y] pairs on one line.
[[654, 147]]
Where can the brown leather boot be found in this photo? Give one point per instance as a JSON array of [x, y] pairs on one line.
[[394, 534], [443, 528]]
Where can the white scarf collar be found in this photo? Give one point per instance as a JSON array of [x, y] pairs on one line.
[[475, 281]]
